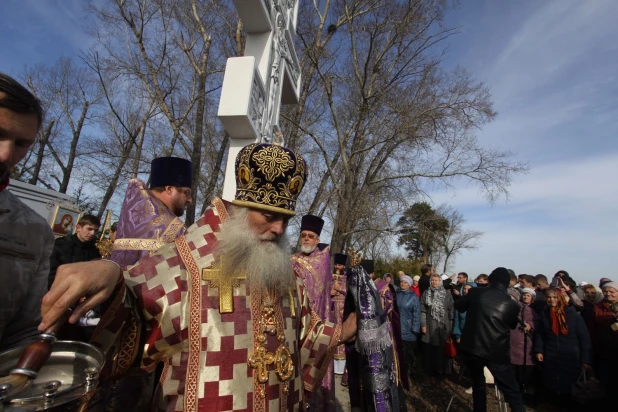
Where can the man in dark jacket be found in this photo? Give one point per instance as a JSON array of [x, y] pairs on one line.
[[426, 272], [485, 340], [77, 247]]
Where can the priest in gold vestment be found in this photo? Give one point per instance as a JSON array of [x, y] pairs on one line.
[[222, 302]]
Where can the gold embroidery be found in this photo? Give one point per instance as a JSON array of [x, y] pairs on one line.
[[269, 177], [195, 322], [271, 322], [138, 244], [105, 247], [225, 285], [221, 210], [273, 162], [260, 360]]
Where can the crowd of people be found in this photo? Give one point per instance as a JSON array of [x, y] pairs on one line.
[[562, 329]]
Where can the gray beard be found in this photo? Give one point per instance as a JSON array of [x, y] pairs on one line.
[[307, 249], [265, 261]]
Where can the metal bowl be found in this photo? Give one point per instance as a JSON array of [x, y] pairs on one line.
[[69, 376]]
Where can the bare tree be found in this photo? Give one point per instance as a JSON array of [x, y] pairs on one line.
[[70, 95], [176, 50], [384, 116], [456, 238], [124, 123]]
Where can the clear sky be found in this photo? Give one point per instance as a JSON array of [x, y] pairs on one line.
[[553, 71], [552, 67]]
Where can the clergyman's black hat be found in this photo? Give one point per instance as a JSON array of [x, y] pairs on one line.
[[312, 223], [170, 171], [341, 259], [368, 266]]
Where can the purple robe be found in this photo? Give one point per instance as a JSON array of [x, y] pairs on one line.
[[145, 225], [336, 308], [315, 271], [372, 358]]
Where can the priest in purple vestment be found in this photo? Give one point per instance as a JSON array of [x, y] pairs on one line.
[[148, 220], [312, 263], [150, 216]]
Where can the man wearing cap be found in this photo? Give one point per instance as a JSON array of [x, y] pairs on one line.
[[221, 302], [337, 294], [312, 264], [150, 216]]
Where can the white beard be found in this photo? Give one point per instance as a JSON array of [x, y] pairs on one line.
[[307, 249], [265, 261]]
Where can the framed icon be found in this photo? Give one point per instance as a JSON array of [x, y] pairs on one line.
[[65, 220]]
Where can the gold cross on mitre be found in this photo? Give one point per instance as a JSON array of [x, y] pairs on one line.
[[355, 257], [226, 285]]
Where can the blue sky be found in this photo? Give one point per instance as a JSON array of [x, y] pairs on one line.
[[553, 71]]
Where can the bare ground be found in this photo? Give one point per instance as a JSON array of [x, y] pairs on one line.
[[432, 395]]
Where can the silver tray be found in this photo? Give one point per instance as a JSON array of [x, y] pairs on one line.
[[70, 374]]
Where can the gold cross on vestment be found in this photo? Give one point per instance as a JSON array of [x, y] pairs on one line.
[[226, 285]]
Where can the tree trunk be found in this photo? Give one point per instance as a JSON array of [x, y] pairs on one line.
[[209, 193], [68, 169], [40, 153]]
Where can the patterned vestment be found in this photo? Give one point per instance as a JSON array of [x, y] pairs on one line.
[[144, 226], [337, 303], [208, 351], [314, 270], [373, 378]]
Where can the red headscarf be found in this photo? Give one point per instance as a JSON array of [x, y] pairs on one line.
[[556, 313]]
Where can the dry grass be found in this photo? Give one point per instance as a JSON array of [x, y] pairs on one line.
[[430, 394]]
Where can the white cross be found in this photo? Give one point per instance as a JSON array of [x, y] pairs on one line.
[[255, 86]]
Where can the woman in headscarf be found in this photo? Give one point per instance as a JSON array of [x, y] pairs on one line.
[[522, 343], [415, 288], [562, 345], [437, 313], [603, 326]]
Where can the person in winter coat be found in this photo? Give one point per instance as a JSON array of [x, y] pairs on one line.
[[77, 247], [410, 316], [437, 312], [485, 340], [603, 326], [460, 317], [26, 239], [72, 248], [522, 343], [562, 345]]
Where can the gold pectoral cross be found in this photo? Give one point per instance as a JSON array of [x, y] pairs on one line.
[[226, 285]]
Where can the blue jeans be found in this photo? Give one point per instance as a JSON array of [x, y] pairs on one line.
[[504, 377]]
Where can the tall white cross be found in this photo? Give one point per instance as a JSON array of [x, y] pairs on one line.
[[255, 85]]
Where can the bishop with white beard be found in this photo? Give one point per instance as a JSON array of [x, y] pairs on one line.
[[222, 303]]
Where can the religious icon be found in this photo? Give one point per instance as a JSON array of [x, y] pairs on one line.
[[296, 185], [65, 220]]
